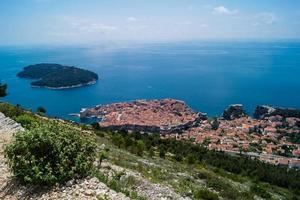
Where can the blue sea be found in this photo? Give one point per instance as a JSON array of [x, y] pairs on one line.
[[208, 75]]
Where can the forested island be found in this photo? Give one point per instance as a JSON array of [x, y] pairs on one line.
[[56, 76]]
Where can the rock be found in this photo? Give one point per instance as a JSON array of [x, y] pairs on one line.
[[234, 111], [263, 111], [8, 126], [70, 183], [102, 147], [89, 192]]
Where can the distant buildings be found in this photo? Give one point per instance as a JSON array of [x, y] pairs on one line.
[[268, 138]]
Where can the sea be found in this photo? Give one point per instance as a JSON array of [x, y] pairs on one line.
[[207, 75]]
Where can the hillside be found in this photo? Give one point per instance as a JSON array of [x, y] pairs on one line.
[[132, 169], [57, 76]]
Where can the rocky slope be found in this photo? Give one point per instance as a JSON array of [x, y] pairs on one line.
[[125, 175], [8, 126], [90, 188]]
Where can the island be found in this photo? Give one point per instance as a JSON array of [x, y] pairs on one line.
[[56, 76]]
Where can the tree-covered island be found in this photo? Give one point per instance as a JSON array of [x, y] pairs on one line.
[[55, 76]]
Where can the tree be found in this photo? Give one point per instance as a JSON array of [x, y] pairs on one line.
[[162, 153], [191, 159], [151, 152], [215, 124], [3, 88], [41, 110], [118, 140], [178, 157], [102, 156], [206, 142], [140, 146]]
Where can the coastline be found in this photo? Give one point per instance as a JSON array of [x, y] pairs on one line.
[[66, 87]]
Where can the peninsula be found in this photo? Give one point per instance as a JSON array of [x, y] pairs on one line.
[[272, 136], [55, 76], [160, 116]]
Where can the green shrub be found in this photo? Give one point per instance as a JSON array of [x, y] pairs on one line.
[[41, 110], [11, 111], [26, 120], [151, 152], [118, 140], [162, 153], [205, 194], [141, 147], [191, 159], [260, 190], [224, 188], [50, 154]]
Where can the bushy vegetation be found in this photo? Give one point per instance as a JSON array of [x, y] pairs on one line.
[[11, 111], [25, 117], [260, 190], [55, 75], [26, 120], [286, 112], [214, 168], [205, 194], [191, 153], [49, 154], [261, 111], [294, 138]]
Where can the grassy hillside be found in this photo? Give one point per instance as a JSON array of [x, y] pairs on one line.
[[140, 169]]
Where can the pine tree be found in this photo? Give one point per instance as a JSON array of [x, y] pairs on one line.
[[3, 88]]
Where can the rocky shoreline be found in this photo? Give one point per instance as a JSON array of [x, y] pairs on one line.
[[67, 87]]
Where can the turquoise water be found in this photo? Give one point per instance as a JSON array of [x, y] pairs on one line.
[[207, 75]]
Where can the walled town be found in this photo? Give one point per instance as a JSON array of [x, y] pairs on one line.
[[163, 116], [272, 135]]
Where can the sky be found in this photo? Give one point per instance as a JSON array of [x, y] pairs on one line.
[[91, 21]]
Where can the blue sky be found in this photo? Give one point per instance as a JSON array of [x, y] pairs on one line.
[[91, 21]]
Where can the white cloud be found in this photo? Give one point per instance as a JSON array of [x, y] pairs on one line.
[[86, 25], [131, 19], [93, 27], [224, 11], [264, 18]]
